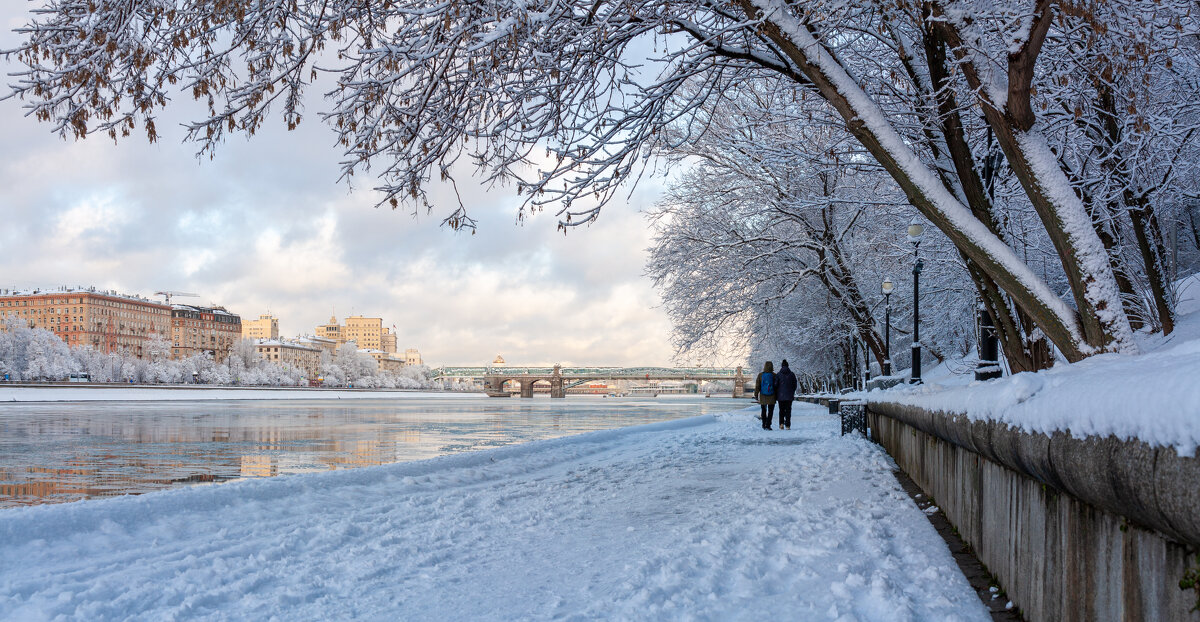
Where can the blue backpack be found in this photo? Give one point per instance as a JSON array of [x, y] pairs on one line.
[[767, 385]]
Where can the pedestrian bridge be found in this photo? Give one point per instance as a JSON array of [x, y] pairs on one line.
[[559, 378]]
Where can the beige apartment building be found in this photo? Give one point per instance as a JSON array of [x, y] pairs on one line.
[[413, 357], [103, 320], [384, 360], [321, 343], [331, 331], [367, 332], [290, 354], [265, 327], [196, 330], [387, 341]]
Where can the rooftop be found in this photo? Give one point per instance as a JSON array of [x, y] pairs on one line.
[[77, 289]]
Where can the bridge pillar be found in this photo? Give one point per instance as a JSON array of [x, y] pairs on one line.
[[556, 383], [527, 388], [494, 387], [739, 383]]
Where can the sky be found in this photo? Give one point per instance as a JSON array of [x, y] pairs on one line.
[[266, 227]]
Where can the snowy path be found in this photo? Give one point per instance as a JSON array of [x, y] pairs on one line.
[[703, 518]]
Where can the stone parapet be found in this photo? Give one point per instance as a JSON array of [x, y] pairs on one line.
[[1074, 529]]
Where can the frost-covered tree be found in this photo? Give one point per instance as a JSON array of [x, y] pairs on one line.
[[567, 97], [47, 357]]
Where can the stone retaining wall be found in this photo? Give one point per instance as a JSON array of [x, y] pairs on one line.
[[1073, 530]]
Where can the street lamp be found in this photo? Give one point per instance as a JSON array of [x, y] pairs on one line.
[[887, 288], [916, 230]]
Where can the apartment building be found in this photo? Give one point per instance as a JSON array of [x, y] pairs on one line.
[[366, 332], [321, 343], [384, 360], [265, 327], [196, 330], [331, 331], [101, 319], [291, 354]]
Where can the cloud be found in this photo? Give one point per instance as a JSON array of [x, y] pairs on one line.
[[266, 227]]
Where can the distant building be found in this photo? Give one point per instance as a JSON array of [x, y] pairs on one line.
[[498, 361], [367, 333], [320, 343], [265, 327], [292, 355], [387, 341], [195, 330], [412, 357], [384, 360], [331, 331], [103, 320]]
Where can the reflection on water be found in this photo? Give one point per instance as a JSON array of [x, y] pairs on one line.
[[53, 453]]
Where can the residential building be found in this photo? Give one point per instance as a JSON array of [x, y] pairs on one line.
[[321, 343], [384, 360], [265, 327], [196, 330], [332, 331], [103, 320], [388, 341], [291, 354], [367, 332], [413, 357]]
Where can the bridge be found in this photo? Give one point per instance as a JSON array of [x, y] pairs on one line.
[[560, 378]]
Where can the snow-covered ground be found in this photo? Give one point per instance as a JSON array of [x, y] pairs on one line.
[[1153, 396], [701, 518], [156, 394]]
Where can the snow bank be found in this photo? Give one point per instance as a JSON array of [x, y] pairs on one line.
[[700, 518], [1153, 397]]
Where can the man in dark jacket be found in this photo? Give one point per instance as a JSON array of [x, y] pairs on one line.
[[785, 393]]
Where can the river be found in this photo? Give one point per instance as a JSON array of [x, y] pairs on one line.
[[62, 452]]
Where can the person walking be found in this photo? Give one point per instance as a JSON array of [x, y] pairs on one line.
[[785, 393], [764, 392]]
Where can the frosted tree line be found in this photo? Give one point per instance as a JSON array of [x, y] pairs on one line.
[[37, 354], [1052, 142]]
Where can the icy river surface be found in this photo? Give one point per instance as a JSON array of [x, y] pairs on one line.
[[67, 451]]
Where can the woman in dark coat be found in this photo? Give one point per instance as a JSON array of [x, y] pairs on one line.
[[764, 392]]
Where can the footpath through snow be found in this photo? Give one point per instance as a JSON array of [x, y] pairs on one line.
[[702, 518]]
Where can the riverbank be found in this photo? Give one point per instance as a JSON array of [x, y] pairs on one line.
[[701, 518]]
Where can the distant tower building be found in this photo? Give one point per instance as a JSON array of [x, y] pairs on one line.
[[388, 341], [367, 332], [332, 331], [265, 327], [499, 362], [412, 357]]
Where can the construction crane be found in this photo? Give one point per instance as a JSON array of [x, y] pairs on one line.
[[168, 294]]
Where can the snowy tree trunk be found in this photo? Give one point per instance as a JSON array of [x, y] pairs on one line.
[[868, 123], [1009, 113]]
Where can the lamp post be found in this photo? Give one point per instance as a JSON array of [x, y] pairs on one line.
[[887, 288], [916, 230]]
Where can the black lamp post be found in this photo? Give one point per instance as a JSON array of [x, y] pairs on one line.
[[887, 288], [916, 230]]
